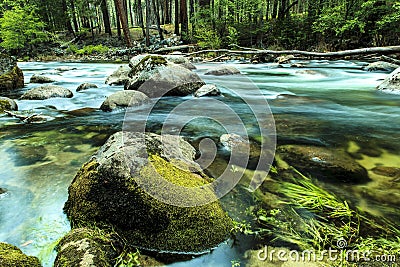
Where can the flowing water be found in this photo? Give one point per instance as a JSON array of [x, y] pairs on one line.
[[331, 103]]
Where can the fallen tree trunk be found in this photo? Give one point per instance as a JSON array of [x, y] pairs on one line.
[[390, 60], [387, 50], [173, 48]]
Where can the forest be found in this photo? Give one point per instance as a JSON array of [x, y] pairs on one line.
[[323, 25]]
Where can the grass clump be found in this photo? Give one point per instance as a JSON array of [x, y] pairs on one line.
[[92, 49]]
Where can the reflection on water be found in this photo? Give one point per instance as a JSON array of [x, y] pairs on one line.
[[326, 103]]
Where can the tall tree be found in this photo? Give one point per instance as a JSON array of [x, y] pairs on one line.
[[184, 20], [106, 17], [147, 23], [156, 12], [124, 22], [176, 20]]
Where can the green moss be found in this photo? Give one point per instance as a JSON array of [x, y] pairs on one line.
[[12, 80], [150, 62], [98, 196], [4, 105], [11, 256]]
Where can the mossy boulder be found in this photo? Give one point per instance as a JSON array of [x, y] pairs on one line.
[[11, 256], [40, 79], [119, 77], [105, 192], [87, 247], [123, 99], [155, 76], [46, 92], [7, 104], [11, 76], [392, 83], [330, 164]]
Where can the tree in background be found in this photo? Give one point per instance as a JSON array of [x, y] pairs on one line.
[[20, 26]]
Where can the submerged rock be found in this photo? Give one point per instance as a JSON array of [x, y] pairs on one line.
[[332, 164], [392, 172], [40, 79], [11, 256], [86, 247], [46, 92], [223, 70], [123, 99], [381, 66], [207, 90], [85, 86], [105, 192], [7, 104], [229, 141], [11, 76], [392, 83], [119, 77], [162, 78]]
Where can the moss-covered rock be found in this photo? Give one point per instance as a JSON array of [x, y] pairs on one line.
[[46, 92], [155, 76], [123, 99], [11, 76], [11, 256], [87, 247], [7, 104], [332, 164], [105, 192]]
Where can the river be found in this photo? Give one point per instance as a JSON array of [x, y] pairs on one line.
[[331, 103]]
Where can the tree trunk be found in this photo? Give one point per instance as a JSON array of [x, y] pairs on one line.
[[141, 20], [67, 19], [147, 23], [117, 19], [106, 17], [124, 22], [74, 20], [176, 17], [184, 21], [156, 11]]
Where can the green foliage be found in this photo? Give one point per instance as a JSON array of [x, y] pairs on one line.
[[21, 26], [92, 49], [128, 259], [72, 48], [207, 37]]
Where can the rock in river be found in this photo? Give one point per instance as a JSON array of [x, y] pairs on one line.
[[105, 192], [331, 164], [119, 77], [40, 79], [381, 66], [392, 83], [85, 86], [11, 256], [11, 77], [123, 99], [223, 70], [208, 90], [46, 92], [7, 104], [156, 77]]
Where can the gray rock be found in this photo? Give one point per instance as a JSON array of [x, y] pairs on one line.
[[231, 141], [207, 90], [119, 77], [284, 59], [180, 60], [85, 86], [11, 76], [162, 78], [392, 83], [105, 191], [86, 247], [46, 92], [223, 70], [7, 104], [123, 99], [381, 66], [331, 164], [133, 62], [41, 79], [65, 68]]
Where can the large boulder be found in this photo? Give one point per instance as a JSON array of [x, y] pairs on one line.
[[40, 79], [11, 77], [123, 99], [392, 83], [162, 78], [180, 60], [11, 256], [119, 77], [381, 66], [86, 247], [223, 71], [7, 104], [105, 192], [331, 164], [46, 92]]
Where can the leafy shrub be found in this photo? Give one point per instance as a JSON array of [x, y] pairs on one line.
[[92, 49]]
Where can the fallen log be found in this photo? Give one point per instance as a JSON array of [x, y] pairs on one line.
[[387, 50], [390, 60], [173, 48], [33, 118]]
